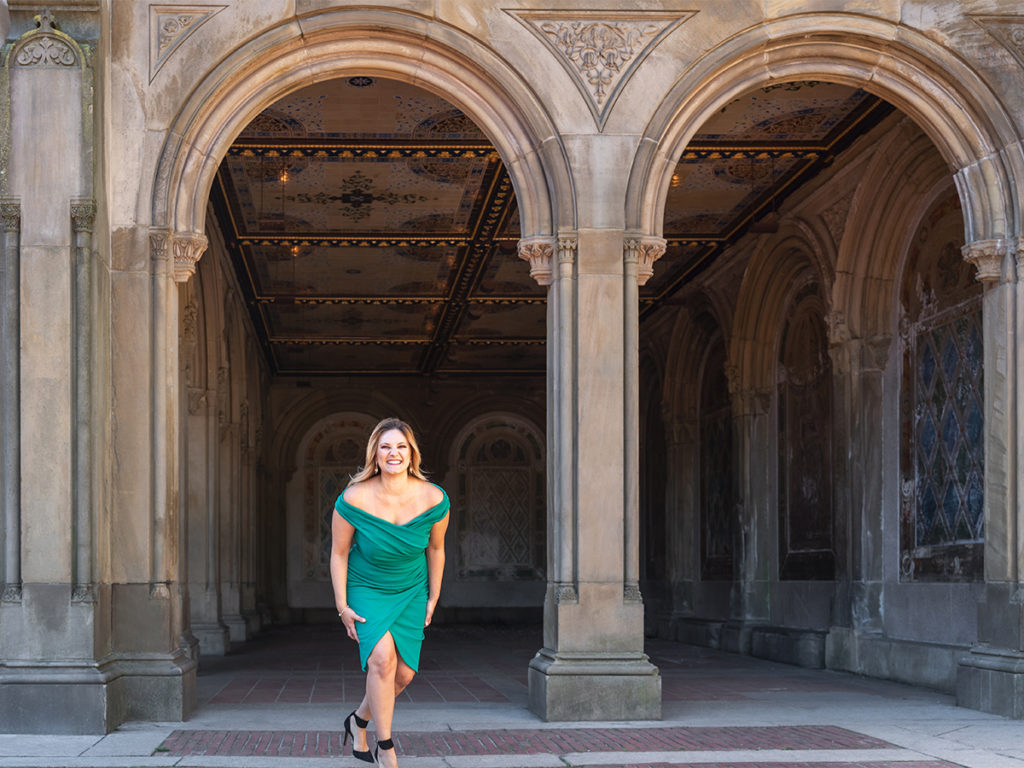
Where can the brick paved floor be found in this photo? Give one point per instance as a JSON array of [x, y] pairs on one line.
[[316, 670], [526, 742]]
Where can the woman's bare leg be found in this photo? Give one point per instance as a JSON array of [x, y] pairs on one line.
[[381, 669], [403, 676]]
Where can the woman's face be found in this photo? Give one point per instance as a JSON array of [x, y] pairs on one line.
[[393, 453]]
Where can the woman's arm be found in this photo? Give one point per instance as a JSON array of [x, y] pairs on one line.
[[341, 542], [435, 565]]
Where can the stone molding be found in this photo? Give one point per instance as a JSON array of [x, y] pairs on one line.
[[45, 46], [170, 26], [83, 215], [631, 593], [987, 258], [539, 252], [600, 49], [644, 251], [1008, 30]]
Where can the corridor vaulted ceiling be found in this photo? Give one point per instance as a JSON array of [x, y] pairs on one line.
[[374, 228]]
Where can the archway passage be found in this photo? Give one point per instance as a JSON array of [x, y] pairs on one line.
[[362, 264], [823, 389]]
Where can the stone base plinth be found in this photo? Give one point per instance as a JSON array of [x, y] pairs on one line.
[[594, 686], [214, 639], [95, 698], [992, 680]]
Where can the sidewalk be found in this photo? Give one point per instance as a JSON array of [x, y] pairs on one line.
[[278, 702]]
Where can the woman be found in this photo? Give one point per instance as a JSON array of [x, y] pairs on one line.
[[385, 587]]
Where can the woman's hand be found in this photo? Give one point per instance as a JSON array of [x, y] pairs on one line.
[[349, 619], [430, 612]]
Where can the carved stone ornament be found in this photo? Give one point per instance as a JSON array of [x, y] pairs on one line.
[[187, 249], [189, 321], [567, 247], [601, 49], [83, 215], [197, 398], [646, 251], [838, 330], [159, 241], [1008, 30], [566, 593], [11, 593], [83, 593], [170, 26], [538, 251], [10, 215], [631, 593], [987, 257], [45, 46]]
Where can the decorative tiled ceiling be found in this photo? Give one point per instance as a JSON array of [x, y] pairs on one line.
[[373, 226]]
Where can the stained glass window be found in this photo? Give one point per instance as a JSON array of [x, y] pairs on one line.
[[944, 469], [942, 459]]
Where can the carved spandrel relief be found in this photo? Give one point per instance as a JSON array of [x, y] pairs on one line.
[[1008, 30], [170, 25], [45, 46], [601, 49]]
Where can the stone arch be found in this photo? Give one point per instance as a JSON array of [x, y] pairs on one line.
[[901, 182], [378, 42], [960, 114], [775, 274]]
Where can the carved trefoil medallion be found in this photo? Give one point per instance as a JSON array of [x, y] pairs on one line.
[[601, 49], [170, 26]]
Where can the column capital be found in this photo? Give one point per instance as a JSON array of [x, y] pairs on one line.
[[539, 252], [644, 251], [187, 249], [83, 214], [987, 257], [10, 214]]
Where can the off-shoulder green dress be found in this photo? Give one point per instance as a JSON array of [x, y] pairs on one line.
[[387, 577]]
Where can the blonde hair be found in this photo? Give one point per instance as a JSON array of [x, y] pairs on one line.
[[370, 468]]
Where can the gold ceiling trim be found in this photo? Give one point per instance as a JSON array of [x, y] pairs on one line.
[[324, 240]]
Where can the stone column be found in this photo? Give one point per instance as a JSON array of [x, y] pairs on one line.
[[858, 366], [991, 677], [592, 665], [755, 463], [10, 398], [83, 215]]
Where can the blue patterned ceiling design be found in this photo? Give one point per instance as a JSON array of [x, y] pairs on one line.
[[373, 226]]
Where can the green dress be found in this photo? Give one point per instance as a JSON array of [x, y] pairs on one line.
[[387, 578]]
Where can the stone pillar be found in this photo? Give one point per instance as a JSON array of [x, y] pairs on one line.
[[858, 366], [592, 665], [755, 464], [991, 676], [10, 398], [48, 609]]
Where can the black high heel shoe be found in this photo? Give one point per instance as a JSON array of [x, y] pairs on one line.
[[384, 744], [358, 754]]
